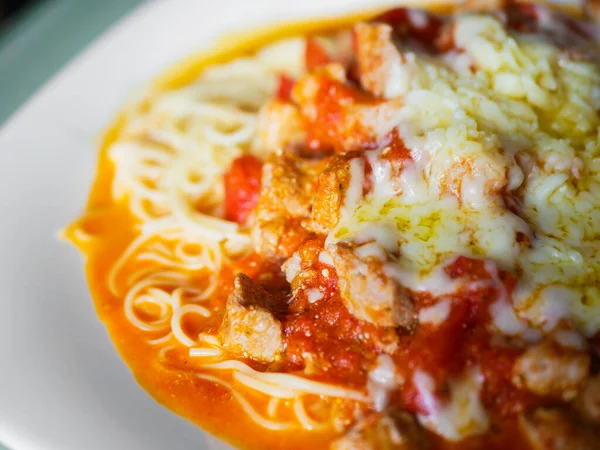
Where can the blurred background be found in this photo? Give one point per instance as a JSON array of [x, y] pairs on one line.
[[38, 37], [8, 9]]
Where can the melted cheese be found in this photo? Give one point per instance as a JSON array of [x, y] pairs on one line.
[[570, 339], [436, 282], [463, 415], [436, 314], [313, 295], [514, 116], [382, 380], [291, 267]]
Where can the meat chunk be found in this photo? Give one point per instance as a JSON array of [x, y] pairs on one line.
[[333, 181], [249, 328], [556, 429], [548, 369], [288, 186], [380, 64], [391, 430], [340, 117], [368, 293], [279, 126]]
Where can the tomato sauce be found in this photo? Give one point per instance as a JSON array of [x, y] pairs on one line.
[[284, 87], [332, 123], [315, 55], [242, 186]]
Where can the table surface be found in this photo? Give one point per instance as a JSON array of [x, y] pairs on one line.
[[43, 39]]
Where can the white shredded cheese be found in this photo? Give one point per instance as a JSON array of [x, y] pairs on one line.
[[436, 314], [382, 380], [462, 415], [313, 295], [503, 114]]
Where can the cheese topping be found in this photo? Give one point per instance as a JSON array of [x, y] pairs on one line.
[[519, 126], [382, 380], [435, 314], [462, 415]]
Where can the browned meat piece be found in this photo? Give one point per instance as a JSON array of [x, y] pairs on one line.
[[288, 186], [249, 328], [588, 402], [556, 429], [279, 126], [550, 370], [368, 293], [379, 61], [391, 430], [330, 194]]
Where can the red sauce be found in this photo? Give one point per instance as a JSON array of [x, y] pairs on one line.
[[242, 186], [284, 87], [341, 347], [315, 54], [463, 340], [333, 122]]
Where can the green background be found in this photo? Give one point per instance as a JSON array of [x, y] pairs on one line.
[[39, 42], [43, 39]]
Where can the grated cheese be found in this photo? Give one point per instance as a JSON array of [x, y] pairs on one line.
[[463, 415], [507, 113]]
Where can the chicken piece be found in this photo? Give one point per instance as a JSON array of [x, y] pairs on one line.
[[368, 293], [249, 328], [278, 238], [556, 429], [390, 430], [382, 71], [588, 402], [333, 181], [279, 126], [340, 117], [548, 369], [288, 186]]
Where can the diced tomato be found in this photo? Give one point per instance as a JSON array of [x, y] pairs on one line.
[[315, 55], [242, 187], [284, 89]]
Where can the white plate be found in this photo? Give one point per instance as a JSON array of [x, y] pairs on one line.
[[62, 384]]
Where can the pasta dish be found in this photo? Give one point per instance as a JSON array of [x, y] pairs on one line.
[[374, 232]]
